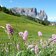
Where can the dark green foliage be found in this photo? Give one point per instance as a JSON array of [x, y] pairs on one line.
[[26, 53], [0, 8], [31, 18], [45, 22], [10, 12], [16, 14], [4, 9]]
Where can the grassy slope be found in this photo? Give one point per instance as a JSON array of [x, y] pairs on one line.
[[21, 24]]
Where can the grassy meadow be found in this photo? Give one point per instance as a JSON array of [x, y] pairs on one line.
[[19, 24]]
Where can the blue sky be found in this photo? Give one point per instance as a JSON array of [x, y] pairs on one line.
[[49, 6]]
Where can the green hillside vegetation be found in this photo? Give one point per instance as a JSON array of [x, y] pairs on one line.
[[21, 24], [41, 21]]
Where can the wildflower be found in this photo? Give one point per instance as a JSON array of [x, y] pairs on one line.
[[36, 49], [25, 35], [9, 29], [30, 46], [20, 34], [54, 37], [39, 33]]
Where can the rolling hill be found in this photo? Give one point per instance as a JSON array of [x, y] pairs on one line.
[[19, 24], [22, 23]]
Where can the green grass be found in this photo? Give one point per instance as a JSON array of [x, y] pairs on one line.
[[21, 24]]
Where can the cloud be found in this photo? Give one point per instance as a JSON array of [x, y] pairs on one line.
[[52, 18]]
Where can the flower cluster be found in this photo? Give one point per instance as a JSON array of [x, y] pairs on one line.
[[24, 35], [36, 48], [33, 48], [54, 37], [9, 29]]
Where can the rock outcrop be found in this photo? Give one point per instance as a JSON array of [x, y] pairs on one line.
[[30, 12]]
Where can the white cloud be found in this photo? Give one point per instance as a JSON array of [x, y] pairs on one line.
[[52, 18]]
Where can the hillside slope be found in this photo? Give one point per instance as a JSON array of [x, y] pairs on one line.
[[22, 23]]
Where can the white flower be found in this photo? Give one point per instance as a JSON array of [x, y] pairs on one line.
[[20, 34], [30, 46]]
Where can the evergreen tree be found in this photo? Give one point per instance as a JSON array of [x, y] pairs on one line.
[[0, 8]]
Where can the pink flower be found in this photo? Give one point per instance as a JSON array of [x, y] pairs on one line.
[[36, 49], [54, 37], [9, 29], [20, 34], [25, 35], [39, 33]]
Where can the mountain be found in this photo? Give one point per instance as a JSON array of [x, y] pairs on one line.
[[30, 12], [25, 11], [42, 15]]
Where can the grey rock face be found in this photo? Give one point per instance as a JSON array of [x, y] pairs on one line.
[[30, 12], [42, 15]]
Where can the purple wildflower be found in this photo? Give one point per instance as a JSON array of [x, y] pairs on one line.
[[9, 29]]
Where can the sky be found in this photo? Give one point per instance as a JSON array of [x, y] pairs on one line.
[[49, 6]]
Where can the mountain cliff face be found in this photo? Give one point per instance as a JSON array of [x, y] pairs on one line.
[[42, 15], [25, 11], [30, 12]]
